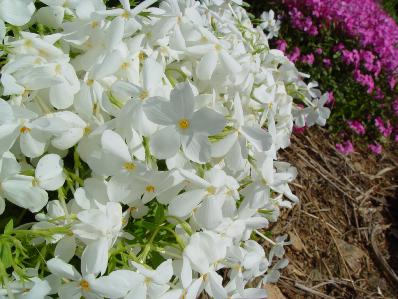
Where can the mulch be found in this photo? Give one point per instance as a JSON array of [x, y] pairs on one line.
[[344, 231]]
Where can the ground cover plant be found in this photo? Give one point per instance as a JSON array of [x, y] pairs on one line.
[[139, 149], [349, 48]]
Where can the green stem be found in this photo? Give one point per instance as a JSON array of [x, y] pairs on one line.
[[5, 280], [148, 246]]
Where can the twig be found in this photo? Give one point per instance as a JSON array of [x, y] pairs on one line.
[[382, 261], [311, 291]]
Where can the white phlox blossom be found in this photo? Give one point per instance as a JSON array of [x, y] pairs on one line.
[[143, 141]]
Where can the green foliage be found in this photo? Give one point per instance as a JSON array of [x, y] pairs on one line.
[[391, 6]]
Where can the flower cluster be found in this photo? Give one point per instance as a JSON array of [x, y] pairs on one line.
[[349, 47], [144, 142]]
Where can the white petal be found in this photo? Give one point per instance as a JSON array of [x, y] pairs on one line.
[[207, 121], [125, 90], [182, 100], [194, 288], [152, 74], [10, 85], [115, 33], [68, 139], [113, 144], [40, 289], [186, 272], [2, 31], [173, 294], [16, 12], [209, 214], [95, 257], [258, 137], [19, 190], [165, 143], [65, 248], [117, 284], [63, 269], [50, 172], [33, 143], [163, 272], [238, 110], [159, 111], [221, 148], [206, 66], [2, 205], [71, 290], [9, 166], [183, 204], [50, 16], [8, 135], [215, 285], [109, 65], [230, 63], [61, 96], [196, 148]]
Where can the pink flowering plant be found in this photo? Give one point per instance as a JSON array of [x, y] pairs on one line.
[[350, 49]]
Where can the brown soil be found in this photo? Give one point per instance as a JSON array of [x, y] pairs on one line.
[[344, 226]]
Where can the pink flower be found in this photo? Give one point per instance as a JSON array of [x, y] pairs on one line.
[[345, 147], [392, 82], [294, 56], [330, 101], [281, 45], [384, 129], [308, 59], [395, 107], [375, 148], [298, 130], [327, 62], [357, 126]]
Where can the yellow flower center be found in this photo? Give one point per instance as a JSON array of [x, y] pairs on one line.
[[129, 166], [28, 43], [43, 53], [58, 69], [143, 95], [35, 182], [218, 47], [126, 14], [125, 66], [87, 130], [211, 190], [84, 285], [184, 123], [147, 280], [24, 130], [150, 188], [94, 24], [203, 39], [141, 56], [90, 82]]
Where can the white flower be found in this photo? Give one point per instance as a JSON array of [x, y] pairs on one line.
[[49, 172], [115, 285], [206, 197], [269, 24], [182, 125], [154, 283], [19, 189], [16, 12], [204, 259], [111, 156], [317, 113]]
